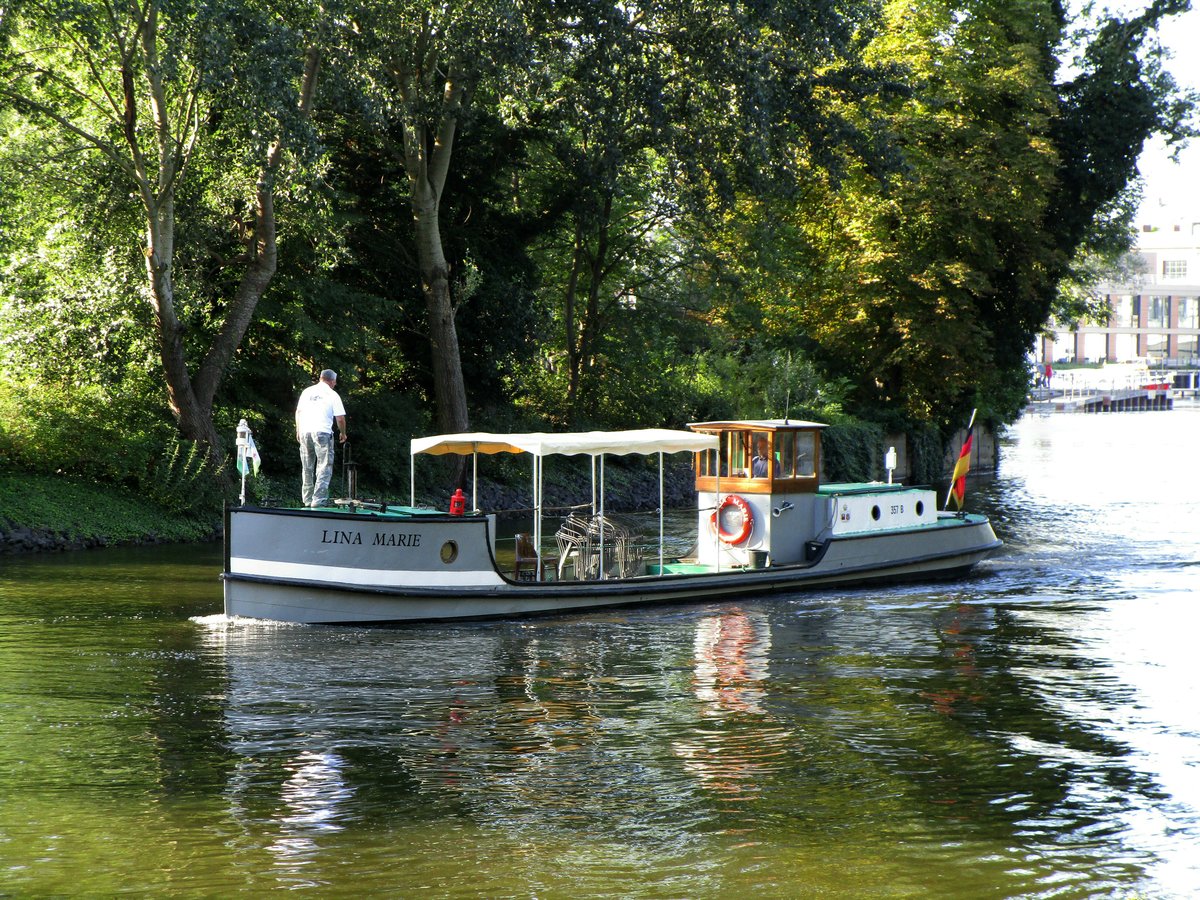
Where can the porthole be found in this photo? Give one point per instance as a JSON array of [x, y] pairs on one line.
[[875, 513], [920, 507], [449, 552]]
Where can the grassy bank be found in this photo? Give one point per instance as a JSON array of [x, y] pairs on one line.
[[41, 512]]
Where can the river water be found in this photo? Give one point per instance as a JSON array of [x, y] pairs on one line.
[[1032, 731]]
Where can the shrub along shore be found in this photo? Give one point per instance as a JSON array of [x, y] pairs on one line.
[[47, 512]]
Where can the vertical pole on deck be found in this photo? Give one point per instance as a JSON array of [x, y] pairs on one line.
[[661, 503], [412, 478], [603, 572], [475, 478], [716, 539], [541, 499], [537, 516]]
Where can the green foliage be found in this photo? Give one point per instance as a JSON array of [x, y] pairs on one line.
[[926, 455], [646, 221], [76, 510], [103, 437], [1120, 95], [384, 424], [184, 479], [85, 432], [852, 451]]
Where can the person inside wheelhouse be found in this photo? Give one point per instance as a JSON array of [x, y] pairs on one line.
[[760, 464]]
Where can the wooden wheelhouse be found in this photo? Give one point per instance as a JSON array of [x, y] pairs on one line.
[[768, 456]]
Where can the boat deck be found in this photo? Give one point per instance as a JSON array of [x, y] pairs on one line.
[[370, 508]]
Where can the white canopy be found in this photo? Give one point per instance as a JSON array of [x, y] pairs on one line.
[[592, 443]]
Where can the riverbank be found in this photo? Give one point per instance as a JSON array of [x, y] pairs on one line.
[[40, 513]]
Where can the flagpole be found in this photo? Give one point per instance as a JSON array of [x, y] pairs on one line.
[[950, 492], [243, 444]]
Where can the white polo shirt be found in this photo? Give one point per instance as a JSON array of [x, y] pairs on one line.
[[317, 408]]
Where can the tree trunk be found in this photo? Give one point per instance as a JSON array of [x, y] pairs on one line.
[[449, 389], [262, 253], [191, 399], [591, 326], [192, 418], [570, 329], [427, 162]]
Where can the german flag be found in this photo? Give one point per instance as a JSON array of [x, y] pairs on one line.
[[958, 480]]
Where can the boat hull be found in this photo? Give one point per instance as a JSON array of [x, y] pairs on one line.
[[347, 568]]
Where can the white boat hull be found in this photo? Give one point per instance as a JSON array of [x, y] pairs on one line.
[[322, 567]]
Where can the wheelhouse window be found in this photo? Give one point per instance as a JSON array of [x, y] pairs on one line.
[[737, 451], [762, 459], [794, 454]]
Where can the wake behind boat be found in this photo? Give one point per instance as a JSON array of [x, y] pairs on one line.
[[764, 523]]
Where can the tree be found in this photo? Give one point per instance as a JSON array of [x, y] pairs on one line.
[[657, 114], [928, 289], [151, 89], [420, 66], [1119, 95], [601, 175]]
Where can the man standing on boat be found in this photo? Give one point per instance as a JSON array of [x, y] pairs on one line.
[[316, 411]]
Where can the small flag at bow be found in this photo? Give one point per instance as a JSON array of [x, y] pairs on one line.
[[248, 458], [958, 480]]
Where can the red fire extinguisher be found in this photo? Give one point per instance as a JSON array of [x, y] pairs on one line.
[[458, 503]]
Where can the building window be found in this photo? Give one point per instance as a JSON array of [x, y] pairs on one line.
[[1188, 307], [1160, 312], [1156, 347], [1122, 311], [1174, 268]]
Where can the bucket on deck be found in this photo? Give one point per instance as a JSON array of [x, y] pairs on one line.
[[756, 559]]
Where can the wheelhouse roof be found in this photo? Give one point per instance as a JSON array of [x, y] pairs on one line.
[[592, 443], [757, 425]]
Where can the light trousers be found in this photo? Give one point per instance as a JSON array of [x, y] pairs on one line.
[[316, 464]]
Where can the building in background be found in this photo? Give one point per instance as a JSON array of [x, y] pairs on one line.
[[1154, 317]]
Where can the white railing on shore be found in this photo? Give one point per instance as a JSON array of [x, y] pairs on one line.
[[1079, 383]]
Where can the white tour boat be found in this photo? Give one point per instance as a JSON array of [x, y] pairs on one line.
[[763, 524]]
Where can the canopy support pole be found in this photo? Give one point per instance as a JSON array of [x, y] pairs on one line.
[[603, 572], [412, 479], [534, 487], [661, 504], [541, 487], [475, 479], [717, 532]]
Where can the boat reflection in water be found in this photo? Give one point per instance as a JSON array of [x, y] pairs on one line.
[[522, 725], [313, 796], [731, 672]]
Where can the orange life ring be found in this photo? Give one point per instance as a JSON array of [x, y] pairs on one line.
[[743, 507]]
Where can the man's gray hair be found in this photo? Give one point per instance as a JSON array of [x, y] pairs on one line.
[[329, 375]]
